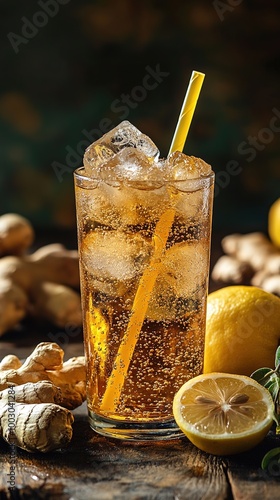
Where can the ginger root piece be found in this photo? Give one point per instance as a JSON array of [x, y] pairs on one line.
[[252, 248], [271, 284], [10, 361], [16, 234], [31, 418], [230, 243], [18, 271], [249, 257], [45, 276], [272, 264], [46, 363], [258, 278], [60, 266], [50, 249], [22, 275], [39, 392], [57, 303], [13, 305], [39, 427], [228, 269]]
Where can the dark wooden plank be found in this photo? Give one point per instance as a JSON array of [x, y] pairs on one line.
[[97, 468], [93, 467], [246, 478]]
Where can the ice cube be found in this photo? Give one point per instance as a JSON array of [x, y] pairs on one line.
[[141, 193], [125, 135], [181, 281], [133, 168], [180, 167], [189, 178], [121, 206], [130, 191], [115, 259]]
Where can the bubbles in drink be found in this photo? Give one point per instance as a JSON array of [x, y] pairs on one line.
[[129, 193], [114, 259], [125, 135], [181, 281]]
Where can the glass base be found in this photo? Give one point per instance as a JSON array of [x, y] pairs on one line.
[[135, 431]]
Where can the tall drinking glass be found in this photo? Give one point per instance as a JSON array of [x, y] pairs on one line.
[[144, 247]]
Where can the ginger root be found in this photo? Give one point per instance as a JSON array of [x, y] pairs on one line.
[[13, 305], [32, 418], [46, 363], [10, 361], [36, 398], [230, 269], [251, 259], [16, 234], [252, 248], [38, 392], [61, 266], [43, 284], [57, 303], [271, 284]]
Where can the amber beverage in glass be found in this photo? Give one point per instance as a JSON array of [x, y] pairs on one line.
[[125, 195]]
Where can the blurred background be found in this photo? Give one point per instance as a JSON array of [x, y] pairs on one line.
[[72, 69]]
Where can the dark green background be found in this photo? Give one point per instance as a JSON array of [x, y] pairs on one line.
[[66, 77]]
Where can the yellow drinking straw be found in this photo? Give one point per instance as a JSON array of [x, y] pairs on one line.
[[141, 301]]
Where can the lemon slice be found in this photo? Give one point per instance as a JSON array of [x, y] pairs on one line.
[[223, 414]]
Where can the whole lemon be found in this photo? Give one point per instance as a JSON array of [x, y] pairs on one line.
[[274, 223], [242, 330]]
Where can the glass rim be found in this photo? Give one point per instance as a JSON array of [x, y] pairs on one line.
[[196, 182]]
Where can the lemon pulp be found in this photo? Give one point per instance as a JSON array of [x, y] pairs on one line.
[[223, 413]]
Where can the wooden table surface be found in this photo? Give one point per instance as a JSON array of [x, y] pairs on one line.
[[93, 467]]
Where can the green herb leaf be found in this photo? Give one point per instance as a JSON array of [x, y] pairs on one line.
[[272, 454], [273, 385], [271, 380], [262, 375], [277, 358]]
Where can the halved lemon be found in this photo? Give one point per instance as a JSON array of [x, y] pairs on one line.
[[223, 414]]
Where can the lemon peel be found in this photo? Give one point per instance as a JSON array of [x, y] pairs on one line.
[[274, 223], [242, 330]]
